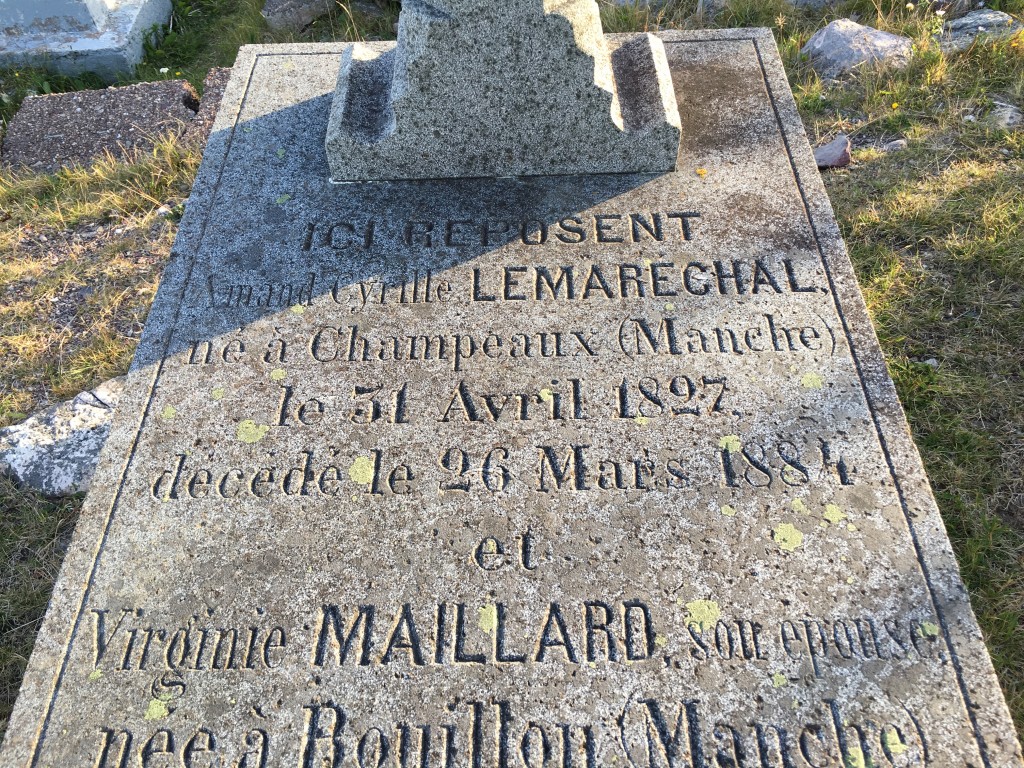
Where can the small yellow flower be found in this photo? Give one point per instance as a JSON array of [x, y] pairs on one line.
[[702, 172], [177, 74], [895, 105], [17, 74]]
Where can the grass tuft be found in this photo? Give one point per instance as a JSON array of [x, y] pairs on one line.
[[83, 249], [34, 533]]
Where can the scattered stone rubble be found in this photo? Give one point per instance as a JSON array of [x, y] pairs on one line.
[[55, 451]]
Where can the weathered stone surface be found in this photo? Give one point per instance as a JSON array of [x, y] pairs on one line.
[[74, 36], [294, 14], [519, 88], [986, 24], [64, 129], [624, 482], [55, 452], [834, 154], [844, 45], [896, 145]]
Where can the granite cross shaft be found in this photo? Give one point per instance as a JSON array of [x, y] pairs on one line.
[[476, 88]]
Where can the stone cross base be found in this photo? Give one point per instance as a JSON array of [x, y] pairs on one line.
[[504, 89]]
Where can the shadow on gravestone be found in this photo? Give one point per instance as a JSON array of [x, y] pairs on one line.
[[345, 239]]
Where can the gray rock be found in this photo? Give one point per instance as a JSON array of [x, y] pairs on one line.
[[294, 14], [1006, 116], [591, 471], [844, 45], [75, 36], [896, 145], [55, 452], [983, 24], [63, 129], [835, 154], [468, 93]]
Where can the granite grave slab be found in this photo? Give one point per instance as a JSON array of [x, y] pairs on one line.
[[580, 471]]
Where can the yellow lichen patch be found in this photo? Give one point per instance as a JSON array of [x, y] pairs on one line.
[[278, 374], [799, 506], [779, 680], [854, 758], [282, 199], [703, 613], [217, 393], [892, 741], [361, 470], [156, 710], [96, 674], [641, 420], [811, 380], [702, 172], [929, 630], [850, 580], [546, 395], [833, 514], [488, 618], [169, 412], [728, 510], [851, 527], [251, 432], [297, 309], [669, 307], [787, 536], [660, 640], [730, 443]]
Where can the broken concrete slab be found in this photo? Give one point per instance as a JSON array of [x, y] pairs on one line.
[[55, 452], [63, 129], [844, 45], [75, 36]]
